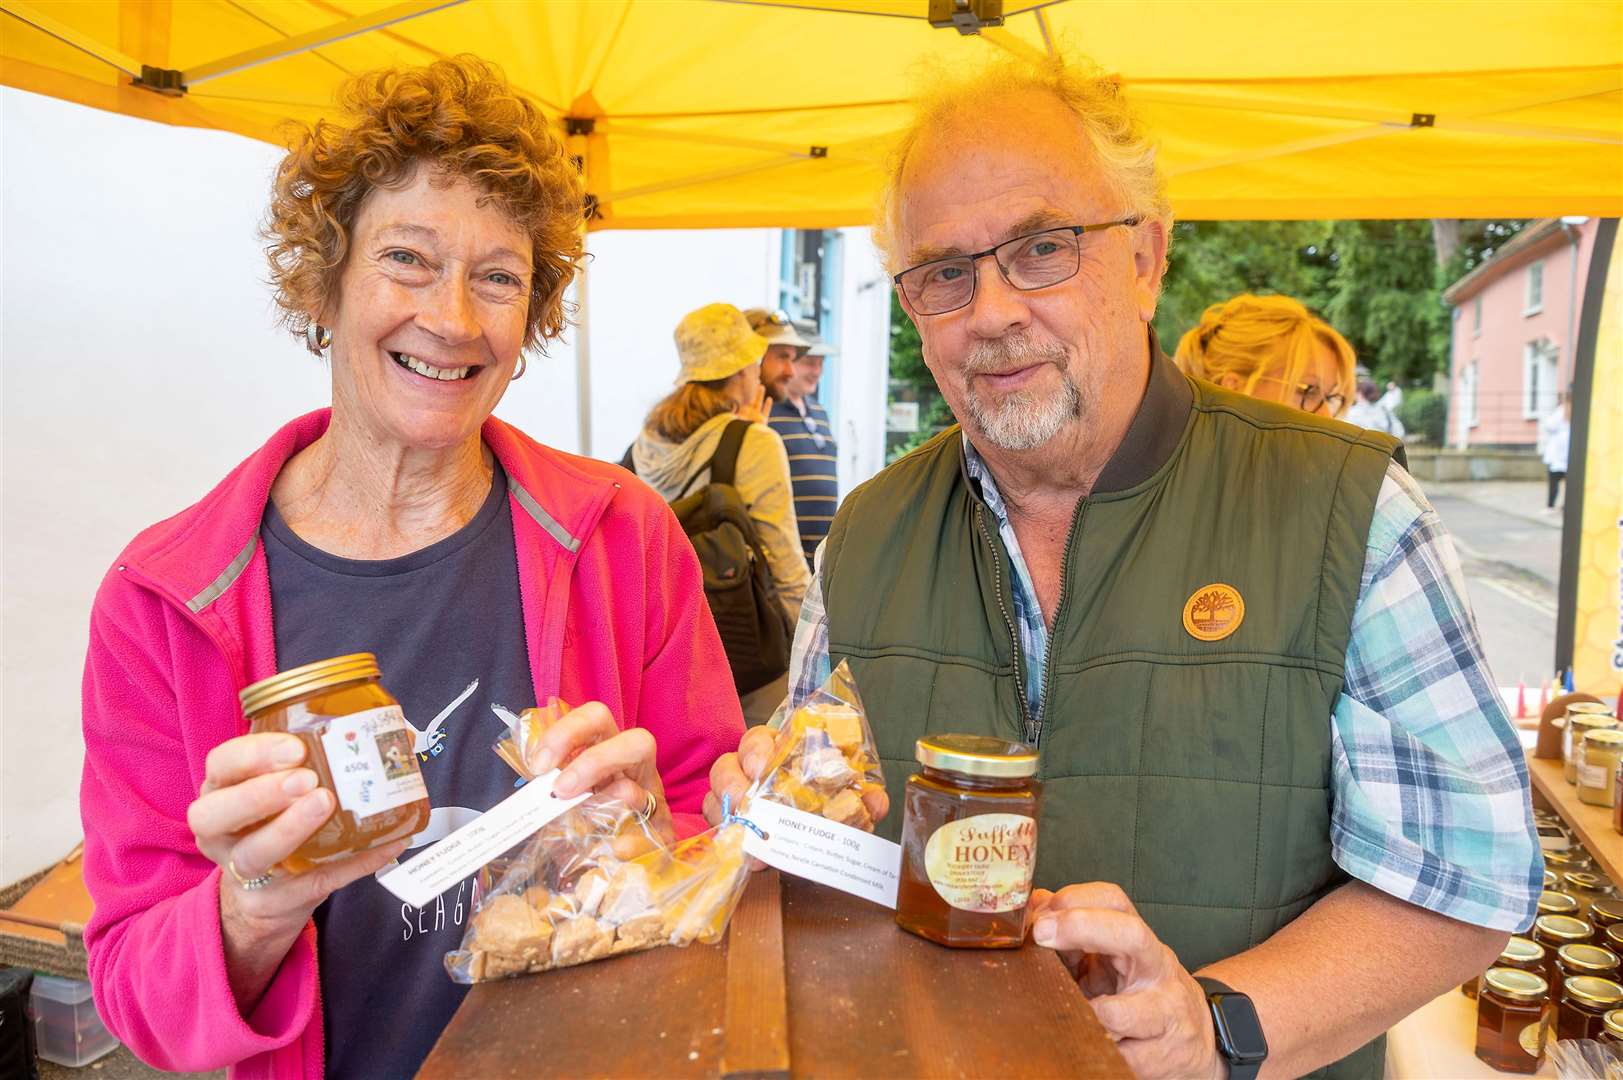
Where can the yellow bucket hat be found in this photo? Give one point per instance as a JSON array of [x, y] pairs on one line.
[[715, 342]]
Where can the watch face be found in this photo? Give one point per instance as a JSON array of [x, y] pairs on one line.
[[1239, 1034]]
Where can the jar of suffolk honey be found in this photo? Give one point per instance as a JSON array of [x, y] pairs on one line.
[[1585, 1001], [1604, 912], [969, 841], [1581, 722], [356, 742], [1553, 932], [1510, 1019]]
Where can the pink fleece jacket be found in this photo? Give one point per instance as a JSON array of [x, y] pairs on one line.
[[613, 612]]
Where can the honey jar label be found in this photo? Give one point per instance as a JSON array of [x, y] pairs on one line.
[[983, 863], [373, 766]]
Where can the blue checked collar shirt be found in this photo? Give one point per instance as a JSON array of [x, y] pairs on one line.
[[1429, 786]]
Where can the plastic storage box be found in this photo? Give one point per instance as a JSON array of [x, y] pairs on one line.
[[66, 1026]]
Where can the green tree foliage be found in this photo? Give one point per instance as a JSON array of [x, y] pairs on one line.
[[1386, 300], [1424, 412]]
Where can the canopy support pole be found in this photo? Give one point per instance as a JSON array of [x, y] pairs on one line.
[[67, 35], [315, 39]]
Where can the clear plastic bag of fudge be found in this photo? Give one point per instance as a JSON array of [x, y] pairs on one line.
[[592, 884], [824, 760], [519, 746]]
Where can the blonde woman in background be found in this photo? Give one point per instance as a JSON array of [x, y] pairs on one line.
[[1272, 348]]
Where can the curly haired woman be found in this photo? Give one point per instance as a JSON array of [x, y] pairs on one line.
[[1273, 348], [421, 244]]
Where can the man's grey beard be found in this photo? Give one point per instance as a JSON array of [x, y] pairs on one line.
[[1025, 419]]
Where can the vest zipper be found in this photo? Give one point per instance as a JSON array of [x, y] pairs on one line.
[[1008, 620], [1059, 620]]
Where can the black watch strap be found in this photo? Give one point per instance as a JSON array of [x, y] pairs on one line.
[[1240, 1041]]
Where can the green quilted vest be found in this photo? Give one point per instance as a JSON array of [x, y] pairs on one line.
[[1193, 773]]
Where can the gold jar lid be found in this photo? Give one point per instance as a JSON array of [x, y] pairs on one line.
[[1590, 959], [1594, 991], [286, 685], [1550, 880], [1556, 903], [1614, 1024], [1589, 708], [1614, 937], [1515, 984], [1587, 722], [1609, 908], [1606, 738], [1570, 859], [977, 755], [1563, 927], [1586, 881], [1521, 950]]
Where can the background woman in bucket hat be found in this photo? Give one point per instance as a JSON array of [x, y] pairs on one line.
[[720, 380]]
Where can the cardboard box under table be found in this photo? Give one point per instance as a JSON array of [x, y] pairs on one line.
[[810, 982]]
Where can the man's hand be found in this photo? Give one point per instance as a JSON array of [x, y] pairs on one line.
[[1146, 1001]]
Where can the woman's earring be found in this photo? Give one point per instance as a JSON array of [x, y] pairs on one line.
[[317, 338], [522, 364]]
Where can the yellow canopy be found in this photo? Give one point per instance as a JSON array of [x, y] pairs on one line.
[[693, 113]]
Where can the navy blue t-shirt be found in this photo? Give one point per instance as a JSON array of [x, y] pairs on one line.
[[448, 630]]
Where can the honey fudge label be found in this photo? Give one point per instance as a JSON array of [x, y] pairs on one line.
[[373, 766], [983, 863], [824, 851]]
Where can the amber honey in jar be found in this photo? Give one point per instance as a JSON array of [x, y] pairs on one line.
[[1509, 1019], [1520, 953], [969, 841], [1597, 766], [1555, 931], [1605, 911], [1575, 960], [1582, 718], [1612, 1029], [356, 742], [1585, 1001]]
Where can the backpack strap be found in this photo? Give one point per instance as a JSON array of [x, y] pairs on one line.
[[626, 463], [724, 465]]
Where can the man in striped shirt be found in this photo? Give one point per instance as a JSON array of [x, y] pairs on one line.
[[803, 425]]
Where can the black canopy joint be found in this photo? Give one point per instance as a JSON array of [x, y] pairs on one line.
[[165, 81], [580, 125], [1423, 119], [819, 151], [966, 16]]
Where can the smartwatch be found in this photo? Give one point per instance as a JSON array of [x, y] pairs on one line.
[[1239, 1034]]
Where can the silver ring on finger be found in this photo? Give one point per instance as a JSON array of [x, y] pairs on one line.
[[248, 884], [648, 808]]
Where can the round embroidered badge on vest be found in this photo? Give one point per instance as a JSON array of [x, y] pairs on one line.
[[1214, 612]]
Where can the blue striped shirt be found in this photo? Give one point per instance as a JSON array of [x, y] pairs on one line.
[[809, 441]]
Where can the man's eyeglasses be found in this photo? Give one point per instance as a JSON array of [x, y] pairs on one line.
[[1033, 261]]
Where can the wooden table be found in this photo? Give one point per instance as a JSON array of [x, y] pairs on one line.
[[811, 982], [1591, 824]]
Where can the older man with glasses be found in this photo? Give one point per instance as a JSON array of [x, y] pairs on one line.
[[1283, 805]]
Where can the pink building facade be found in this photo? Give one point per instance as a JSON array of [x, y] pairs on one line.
[[1515, 319]]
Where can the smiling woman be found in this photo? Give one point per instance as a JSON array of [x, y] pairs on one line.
[[421, 242]]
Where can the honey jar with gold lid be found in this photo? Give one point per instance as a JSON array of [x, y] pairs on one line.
[[358, 744], [1579, 723], [1612, 1028], [1522, 953], [1585, 886], [1575, 960], [1585, 1001], [1597, 766], [1573, 858], [1510, 1019], [1557, 903], [1605, 911], [1554, 931], [969, 841]]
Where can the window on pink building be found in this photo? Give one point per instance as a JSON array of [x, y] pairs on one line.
[[1535, 288]]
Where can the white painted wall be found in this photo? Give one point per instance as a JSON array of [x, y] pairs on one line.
[[141, 361]]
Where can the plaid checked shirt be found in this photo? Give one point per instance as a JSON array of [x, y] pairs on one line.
[[1429, 788]]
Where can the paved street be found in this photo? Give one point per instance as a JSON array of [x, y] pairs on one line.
[[1511, 552]]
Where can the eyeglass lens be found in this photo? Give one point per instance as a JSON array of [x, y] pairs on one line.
[[1026, 262]]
